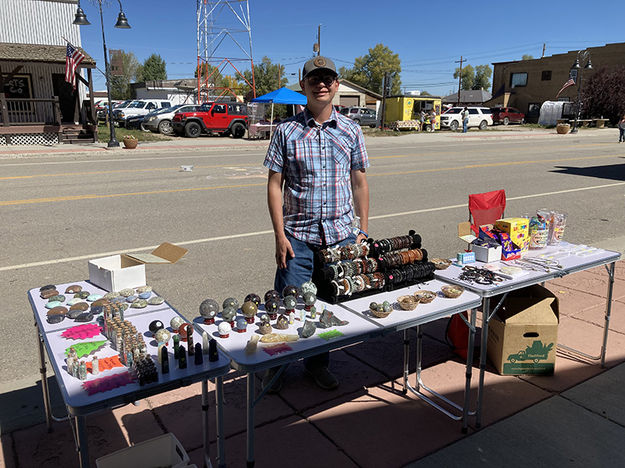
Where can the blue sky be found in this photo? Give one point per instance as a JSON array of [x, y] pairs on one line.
[[428, 36]]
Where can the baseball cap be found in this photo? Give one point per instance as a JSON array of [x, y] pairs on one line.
[[318, 63]]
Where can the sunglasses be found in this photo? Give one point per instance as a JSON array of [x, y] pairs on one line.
[[317, 79]]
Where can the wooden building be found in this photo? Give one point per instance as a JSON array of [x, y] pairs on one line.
[[37, 105]]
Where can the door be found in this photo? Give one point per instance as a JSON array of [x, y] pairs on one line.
[[474, 118], [218, 117], [67, 97]]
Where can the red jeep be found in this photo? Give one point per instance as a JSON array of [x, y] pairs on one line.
[[223, 118]]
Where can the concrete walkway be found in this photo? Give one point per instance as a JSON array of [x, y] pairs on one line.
[[575, 418]]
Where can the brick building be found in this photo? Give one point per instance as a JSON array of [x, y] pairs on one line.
[[526, 84]]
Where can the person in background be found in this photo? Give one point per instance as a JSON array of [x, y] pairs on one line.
[[465, 120], [317, 162], [621, 129]]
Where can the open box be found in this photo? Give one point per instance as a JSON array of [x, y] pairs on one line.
[[128, 270], [482, 253]]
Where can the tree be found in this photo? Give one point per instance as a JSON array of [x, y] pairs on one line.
[[477, 78], [123, 75], [468, 77], [482, 77], [527, 57], [268, 76], [603, 94], [368, 71], [153, 68]]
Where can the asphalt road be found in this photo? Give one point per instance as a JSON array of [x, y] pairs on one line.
[[57, 212]]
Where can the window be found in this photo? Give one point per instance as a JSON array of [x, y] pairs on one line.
[[219, 108], [151, 105], [473, 111], [533, 108], [165, 104], [546, 75], [573, 74], [486, 110], [518, 80]]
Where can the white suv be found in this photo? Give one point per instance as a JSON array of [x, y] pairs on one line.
[[480, 117], [138, 107]]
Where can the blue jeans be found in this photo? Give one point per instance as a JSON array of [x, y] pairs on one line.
[[299, 270], [621, 136], [465, 125]]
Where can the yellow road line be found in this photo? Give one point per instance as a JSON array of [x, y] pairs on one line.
[[114, 195], [194, 189]]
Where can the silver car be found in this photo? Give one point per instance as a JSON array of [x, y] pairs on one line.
[[160, 121], [361, 115]]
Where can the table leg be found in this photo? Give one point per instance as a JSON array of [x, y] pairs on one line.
[[219, 396], [406, 360], [608, 311], [483, 346], [419, 356], [467, 388], [205, 425], [250, 419], [82, 443], [44, 380]]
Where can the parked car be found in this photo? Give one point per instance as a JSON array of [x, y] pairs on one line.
[[507, 115], [160, 121], [138, 107], [361, 115], [480, 117], [222, 118], [101, 113]]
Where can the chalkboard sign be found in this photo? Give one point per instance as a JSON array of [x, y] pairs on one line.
[[17, 87]]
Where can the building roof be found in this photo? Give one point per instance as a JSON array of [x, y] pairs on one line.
[[298, 88], [39, 53], [469, 95]]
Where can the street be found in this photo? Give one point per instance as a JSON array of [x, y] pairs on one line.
[[59, 211]]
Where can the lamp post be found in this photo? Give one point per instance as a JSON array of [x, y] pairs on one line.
[[576, 66], [122, 23]]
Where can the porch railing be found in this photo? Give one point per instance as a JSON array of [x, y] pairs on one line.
[[29, 111]]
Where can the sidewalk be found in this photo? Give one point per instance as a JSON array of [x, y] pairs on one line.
[[221, 143], [574, 418]]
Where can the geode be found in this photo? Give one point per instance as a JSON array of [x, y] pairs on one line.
[[328, 319]]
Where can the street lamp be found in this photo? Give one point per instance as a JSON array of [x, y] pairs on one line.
[[579, 70], [122, 23]]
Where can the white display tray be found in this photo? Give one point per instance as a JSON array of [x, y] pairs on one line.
[[39, 306], [234, 345], [400, 319], [76, 397]]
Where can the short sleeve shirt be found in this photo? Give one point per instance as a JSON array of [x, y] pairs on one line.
[[316, 161]]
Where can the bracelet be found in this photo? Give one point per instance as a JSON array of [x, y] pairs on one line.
[[363, 233]]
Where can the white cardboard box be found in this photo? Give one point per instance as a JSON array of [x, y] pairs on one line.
[[128, 271], [486, 254]]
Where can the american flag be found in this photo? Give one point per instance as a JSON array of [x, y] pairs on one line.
[[571, 82], [73, 57]]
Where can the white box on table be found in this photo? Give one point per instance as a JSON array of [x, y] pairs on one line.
[[486, 254], [128, 270]]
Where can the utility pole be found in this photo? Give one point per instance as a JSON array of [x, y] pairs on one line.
[[459, 78], [319, 40], [386, 85], [544, 45]]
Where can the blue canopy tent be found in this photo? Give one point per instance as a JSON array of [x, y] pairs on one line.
[[281, 96]]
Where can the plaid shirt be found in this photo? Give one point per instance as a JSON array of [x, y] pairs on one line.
[[316, 162]]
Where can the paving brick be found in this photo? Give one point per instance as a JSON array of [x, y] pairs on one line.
[[180, 410], [137, 423], [619, 270], [588, 338], [590, 283], [572, 301], [596, 316], [291, 441], [382, 428], [301, 392], [36, 447]]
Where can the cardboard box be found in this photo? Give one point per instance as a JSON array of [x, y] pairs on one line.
[[128, 270], [160, 451], [518, 229], [486, 254], [523, 335]]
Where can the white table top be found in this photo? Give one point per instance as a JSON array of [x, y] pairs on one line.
[[357, 329], [401, 319], [571, 257]]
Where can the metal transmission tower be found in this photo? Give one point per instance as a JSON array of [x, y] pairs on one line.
[[223, 26]]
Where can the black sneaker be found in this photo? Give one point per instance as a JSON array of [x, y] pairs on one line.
[[277, 384], [323, 378]]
